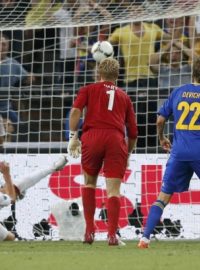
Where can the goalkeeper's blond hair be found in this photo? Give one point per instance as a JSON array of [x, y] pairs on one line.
[[109, 69]]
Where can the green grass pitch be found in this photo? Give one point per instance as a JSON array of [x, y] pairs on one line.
[[61, 255]]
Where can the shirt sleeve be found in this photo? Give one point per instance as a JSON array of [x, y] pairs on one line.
[[5, 200], [131, 125], [81, 99], [19, 73], [114, 38], [159, 32], [23, 72], [19, 70]]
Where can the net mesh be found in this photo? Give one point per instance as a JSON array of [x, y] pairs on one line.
[[45, 13], [42, 70], [45, 58]]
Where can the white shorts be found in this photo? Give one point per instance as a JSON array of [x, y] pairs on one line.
[[2, 129], [3, 233]]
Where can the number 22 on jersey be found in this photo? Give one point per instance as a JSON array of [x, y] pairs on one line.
[[186, 108]]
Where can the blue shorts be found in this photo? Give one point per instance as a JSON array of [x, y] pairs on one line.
[[178, 174]]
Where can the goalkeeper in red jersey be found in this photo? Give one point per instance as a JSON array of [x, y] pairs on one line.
[[109, 112], [12, 190]]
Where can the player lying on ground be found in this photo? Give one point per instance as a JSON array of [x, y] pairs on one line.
[[109, 113], [184, 160], [11, 191]]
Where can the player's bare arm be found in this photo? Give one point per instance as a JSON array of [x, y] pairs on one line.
[[131, 126], [74, 119], [164, 141], [9, 187], [131, 144]]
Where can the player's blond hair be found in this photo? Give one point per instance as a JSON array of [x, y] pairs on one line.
[[109, 69], [196, 70]]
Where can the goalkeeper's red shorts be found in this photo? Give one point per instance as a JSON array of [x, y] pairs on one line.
[[106, 149]]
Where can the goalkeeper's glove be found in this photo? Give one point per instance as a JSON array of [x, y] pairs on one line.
[[74, 145]]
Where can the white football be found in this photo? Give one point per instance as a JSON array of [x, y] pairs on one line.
[[102, 50]]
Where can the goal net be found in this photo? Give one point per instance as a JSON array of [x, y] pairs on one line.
[[45, 57]]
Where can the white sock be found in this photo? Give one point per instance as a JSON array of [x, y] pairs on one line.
[[146, 240], [32, 179]]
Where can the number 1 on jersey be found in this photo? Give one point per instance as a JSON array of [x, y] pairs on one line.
[[111, 94]]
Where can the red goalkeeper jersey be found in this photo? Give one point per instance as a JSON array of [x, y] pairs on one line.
[[107, 107]]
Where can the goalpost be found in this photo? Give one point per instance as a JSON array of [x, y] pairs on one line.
[[51, 42]]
